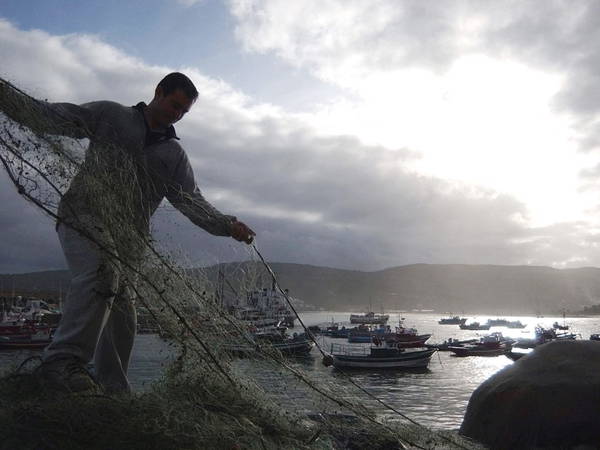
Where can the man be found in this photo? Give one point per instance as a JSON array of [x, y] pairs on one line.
[[133, 162]]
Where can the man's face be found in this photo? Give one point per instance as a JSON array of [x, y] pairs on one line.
[[170, 108]]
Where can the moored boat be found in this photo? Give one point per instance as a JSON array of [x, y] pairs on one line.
[[369, 318], [493, 345], [516, 324], [335, 331], [405, 337], [543, 335], [516, 355], [35, 339], [454, 320], [444, 346], [363, 334], [558, 326], [297, 344], [474, 326], [380, 357]]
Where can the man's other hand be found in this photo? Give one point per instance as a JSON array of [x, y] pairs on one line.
[[241, 232]]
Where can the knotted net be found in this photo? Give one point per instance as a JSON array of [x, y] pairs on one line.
[[223, 387]]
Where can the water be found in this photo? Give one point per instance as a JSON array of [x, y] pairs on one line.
[[436, 397]]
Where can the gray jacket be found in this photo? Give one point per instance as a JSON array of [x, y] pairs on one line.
[[131, 173]]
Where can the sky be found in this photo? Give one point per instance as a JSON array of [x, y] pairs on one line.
[[358, 134]]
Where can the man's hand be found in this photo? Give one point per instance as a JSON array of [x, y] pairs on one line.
[[241, 232]]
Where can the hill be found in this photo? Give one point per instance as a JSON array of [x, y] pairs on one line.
[[444, 288]]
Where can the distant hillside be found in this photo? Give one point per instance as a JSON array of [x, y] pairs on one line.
[[445, 288]]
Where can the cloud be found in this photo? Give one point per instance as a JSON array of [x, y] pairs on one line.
[[348, 42], [312, 198]]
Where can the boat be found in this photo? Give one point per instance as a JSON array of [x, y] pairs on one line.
[[475, 326], [278, 339], [363, 333], [379, 357], [516, 355], [595, 337], [408, 340], [454, 320], [492, 345], [264, 308], [543, 335], [369, 318], [516, 324], [451, 342], [558, 326], [36, 339], [404, 337], [335, 331], [498, 322]]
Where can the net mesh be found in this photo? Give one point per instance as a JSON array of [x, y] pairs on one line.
[[218, 359]]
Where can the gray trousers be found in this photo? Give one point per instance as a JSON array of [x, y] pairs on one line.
[[98, 316]]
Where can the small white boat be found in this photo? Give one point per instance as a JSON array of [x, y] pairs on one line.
[[379, 357]]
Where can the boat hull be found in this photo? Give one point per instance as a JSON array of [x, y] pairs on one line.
[[466, 351], [407, 360], [287, 348], [23, 345]]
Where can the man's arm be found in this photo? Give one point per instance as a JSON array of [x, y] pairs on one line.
[[63, 119], [183, 193]]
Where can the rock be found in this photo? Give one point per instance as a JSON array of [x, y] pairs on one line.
[[549, 398]]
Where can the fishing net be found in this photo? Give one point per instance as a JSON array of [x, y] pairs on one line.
[[224, 386]]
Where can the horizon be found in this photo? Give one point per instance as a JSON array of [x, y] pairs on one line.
[[341, 268]]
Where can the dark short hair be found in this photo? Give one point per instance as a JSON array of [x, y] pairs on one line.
[[177, 80]]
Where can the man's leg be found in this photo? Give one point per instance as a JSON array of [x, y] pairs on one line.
[[93, 286], [113, 352]]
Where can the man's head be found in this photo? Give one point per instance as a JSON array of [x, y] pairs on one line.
[[173, 97]]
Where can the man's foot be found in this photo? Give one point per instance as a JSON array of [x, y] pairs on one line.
[[66, 373]]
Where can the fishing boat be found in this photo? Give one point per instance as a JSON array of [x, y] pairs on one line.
[[335, 331], [444, 346], [454, 320], [35, 339], [558, 326], [498, 322], [543, 335], [492, 345], [403, 336], [475, 326], [264, 308], [369, 318], [516, 324], [297, 344], [379, 357], [518, 354], [366, 333]]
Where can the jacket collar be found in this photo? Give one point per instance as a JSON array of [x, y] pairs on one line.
[[152, 136]]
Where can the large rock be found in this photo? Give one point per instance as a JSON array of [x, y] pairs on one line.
[[549, 398]]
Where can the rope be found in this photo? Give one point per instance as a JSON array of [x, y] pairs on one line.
[[345, 373]]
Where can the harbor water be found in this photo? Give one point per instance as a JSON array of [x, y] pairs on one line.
[[436, 397]]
